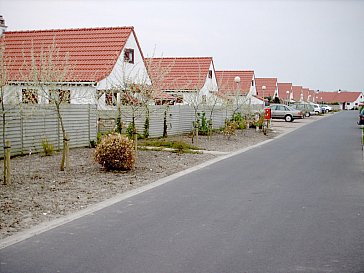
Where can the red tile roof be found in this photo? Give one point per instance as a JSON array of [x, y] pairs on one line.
[[228, 86], [343, 96], [305, 92], [92, 51], [269, 83], [283, 87], [179, 73], [296, 91]]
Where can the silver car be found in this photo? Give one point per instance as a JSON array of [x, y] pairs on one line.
[[281, 111]]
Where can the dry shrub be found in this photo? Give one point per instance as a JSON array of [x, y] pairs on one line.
[[230, 128], [115, 152]]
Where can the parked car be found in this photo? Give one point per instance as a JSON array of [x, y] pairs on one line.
[[281, 111], [361, 117], [326, 108], [317, 108], [305, 108]]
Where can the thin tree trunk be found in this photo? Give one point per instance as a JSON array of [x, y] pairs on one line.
[[7, 168], [6, 144], [65, 153]]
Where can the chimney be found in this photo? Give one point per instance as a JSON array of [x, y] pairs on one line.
[[2, 26]]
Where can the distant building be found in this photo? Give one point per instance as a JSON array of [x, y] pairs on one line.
[[347, 100]]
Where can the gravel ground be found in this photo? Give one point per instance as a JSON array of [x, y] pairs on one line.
[[40, 193]]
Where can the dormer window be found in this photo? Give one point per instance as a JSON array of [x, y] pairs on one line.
[[210, 74], [129, 55]]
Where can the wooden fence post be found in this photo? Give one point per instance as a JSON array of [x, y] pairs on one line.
[[7, 169]]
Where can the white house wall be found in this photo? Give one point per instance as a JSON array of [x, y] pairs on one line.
[[209, 88], [210, 83], [253, 89], [126, 72], [355, 104], [83, 95], [11, 94]]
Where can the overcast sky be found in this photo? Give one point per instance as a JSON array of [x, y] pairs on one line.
[[316, 44]]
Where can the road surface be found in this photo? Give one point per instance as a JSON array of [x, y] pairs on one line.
[[295, 204]]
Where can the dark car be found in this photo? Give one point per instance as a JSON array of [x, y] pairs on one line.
[[361, 117]]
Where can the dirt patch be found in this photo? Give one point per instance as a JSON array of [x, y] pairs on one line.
[[40, 193]]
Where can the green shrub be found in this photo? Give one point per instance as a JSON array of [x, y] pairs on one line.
[[100, 135], [146, 127], [48, 148], [131, 130], [119, 125], [174, 144], [203, 125], [259, 123], [115, 152], [239, 120]]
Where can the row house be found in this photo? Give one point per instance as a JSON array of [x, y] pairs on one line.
[[285, 91], [80, 66], [189, 80], [267, 88], [237, 86], [347, 100], [297, 94]]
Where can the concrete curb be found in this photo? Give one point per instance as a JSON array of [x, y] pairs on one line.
[[26, 234]]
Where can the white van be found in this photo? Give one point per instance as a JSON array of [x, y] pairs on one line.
[[318, 109]]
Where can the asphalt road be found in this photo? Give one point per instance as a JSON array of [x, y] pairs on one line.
[[295, 204]]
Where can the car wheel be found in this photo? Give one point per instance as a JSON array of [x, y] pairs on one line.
[[308, 114], [288, 118]]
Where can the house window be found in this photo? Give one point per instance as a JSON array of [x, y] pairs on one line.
[[252, 83], [29, 96], [179, 98], [129, 55], [204, 100], [59, 96], [210, 74], [65, 96], [348, 103], [110, 99]]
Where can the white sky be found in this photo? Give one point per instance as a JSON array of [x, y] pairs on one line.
[[317, 44]]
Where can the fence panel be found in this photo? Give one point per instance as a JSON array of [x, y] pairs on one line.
[[27, 126], [179, 118]]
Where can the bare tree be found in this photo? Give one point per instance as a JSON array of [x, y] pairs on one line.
[[130, 89], [4, 81], [159, 73], [48, 76]]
